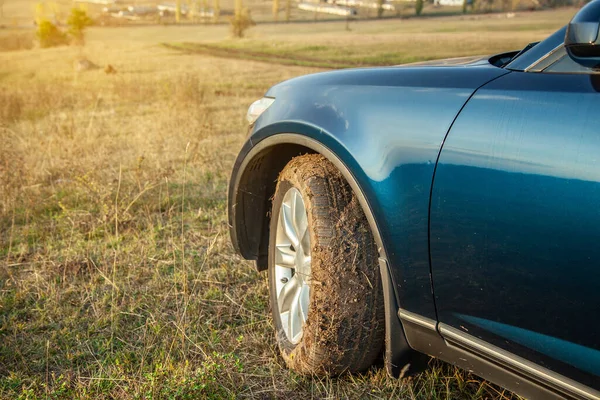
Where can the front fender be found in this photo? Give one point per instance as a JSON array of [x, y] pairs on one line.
[[386, 127]]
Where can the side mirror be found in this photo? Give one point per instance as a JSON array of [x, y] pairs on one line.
[[582, 40]]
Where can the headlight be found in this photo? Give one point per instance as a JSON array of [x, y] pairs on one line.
[[257, 108]]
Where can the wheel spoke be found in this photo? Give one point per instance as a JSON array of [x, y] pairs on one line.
[[303, 270], [305, 240], [284, 256], [287, 223], [295, 319], [300, 218], [303, 301], [288, 295]]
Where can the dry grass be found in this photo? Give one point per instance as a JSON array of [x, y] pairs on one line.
[[117, 277], [116, 271], [14, 40]]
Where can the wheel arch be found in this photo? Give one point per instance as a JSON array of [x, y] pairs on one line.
[[250, 192], [253, 185]]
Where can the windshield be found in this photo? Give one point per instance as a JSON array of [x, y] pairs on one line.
[[531, 56]]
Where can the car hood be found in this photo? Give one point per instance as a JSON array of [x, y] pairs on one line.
[[442, 75], [471, 61]]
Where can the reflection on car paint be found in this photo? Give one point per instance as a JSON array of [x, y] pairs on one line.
[[515, 217], [388, 125]]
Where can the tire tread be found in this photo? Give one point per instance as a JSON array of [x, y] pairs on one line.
[[348, 334]]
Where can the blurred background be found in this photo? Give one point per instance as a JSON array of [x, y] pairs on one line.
[[119, 125]]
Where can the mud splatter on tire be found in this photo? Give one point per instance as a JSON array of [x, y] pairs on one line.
[[345, 326]]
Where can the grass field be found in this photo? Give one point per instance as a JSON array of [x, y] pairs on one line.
[[117, 277], [387, 42]]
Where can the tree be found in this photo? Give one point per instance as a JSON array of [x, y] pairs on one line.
[[275, 10], [380, 8], [49, 35], [216, 11], [78, 21], [468, 3], [419, 7], [193, 9], [241, 20]]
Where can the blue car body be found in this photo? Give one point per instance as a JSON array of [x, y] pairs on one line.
[[481, 182]]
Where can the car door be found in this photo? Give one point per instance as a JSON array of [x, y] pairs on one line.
[[515, 221]]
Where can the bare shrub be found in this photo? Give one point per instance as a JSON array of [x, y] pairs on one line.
[[241, 22]]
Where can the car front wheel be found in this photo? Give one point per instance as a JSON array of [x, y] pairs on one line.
[[324, 281]]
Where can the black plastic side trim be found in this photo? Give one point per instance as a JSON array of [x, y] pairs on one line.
[[251, 185], [430, 342], [400, 360], [489, 362], [544, 376]]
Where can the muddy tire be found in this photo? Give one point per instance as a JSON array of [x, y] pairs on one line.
[[338, 294]]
